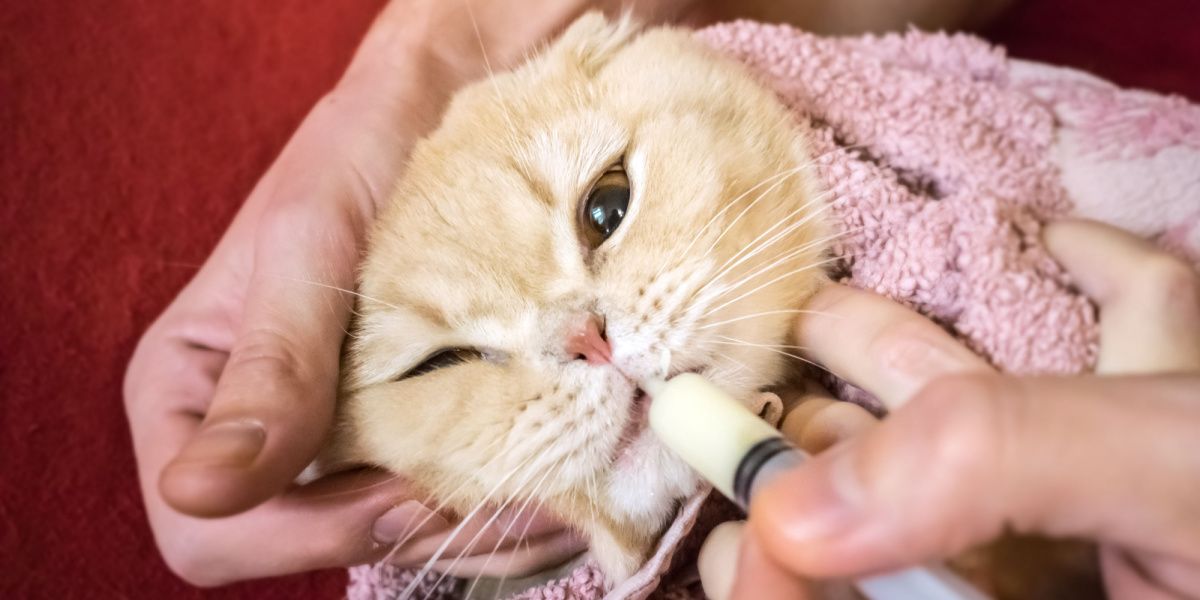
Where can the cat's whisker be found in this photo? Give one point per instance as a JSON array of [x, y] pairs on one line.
[[446, 499], [504, 535], [771, 348], [787, 174], [728, 205], [799, 252], [487, 65], [354, 490], [441, 549], [803, 269], [758, 245], [765, 313], [734, 340], [746, 209], [336, 288]]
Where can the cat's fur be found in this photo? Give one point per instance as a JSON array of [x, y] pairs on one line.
[[480, 248]]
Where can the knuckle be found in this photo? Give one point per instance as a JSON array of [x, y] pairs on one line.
[[1169, 279], [911, 348], [968, 424], [267, 357]]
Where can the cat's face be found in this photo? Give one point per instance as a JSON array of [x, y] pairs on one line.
[[636, 184]]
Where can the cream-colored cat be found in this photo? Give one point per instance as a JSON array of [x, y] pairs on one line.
[[624, 196]]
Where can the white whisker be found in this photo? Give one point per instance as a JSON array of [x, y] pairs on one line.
[[769, 348], [796, 311], [798, 252], [457, 530], [340, 289], [772, 282], [728, 205], [754, 247]]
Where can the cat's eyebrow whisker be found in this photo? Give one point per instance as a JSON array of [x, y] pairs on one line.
[[487, 65], [795, 311]]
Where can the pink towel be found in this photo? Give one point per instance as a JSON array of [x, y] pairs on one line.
[[944, 158]]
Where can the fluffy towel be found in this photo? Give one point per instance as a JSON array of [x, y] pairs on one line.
[[944, 158]]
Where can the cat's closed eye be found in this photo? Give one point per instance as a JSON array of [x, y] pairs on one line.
[[605, 205], [446, 357]]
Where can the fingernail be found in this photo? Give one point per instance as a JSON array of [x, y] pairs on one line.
[[817, 503], [232, 443], [408, 521]]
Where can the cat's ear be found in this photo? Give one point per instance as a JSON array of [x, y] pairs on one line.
[[592, 40]]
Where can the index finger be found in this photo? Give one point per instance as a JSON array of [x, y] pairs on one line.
[[880, 345]]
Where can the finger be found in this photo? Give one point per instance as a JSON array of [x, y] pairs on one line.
[[1160, 578], [879, 345], [818, 421], [973, 455], [1149, 301], [718, 558], [274, 402], [323, 525], [759, 577]]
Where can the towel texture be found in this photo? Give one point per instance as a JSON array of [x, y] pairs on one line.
[[944, 158]]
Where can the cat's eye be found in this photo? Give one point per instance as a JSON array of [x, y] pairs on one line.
[[604, 207], [441, 359]]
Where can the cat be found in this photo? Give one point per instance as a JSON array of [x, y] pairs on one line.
[[627, 203]]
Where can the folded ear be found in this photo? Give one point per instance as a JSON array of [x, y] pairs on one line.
[[589, 42]]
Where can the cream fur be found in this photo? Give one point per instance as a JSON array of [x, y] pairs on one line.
[[480, 247]]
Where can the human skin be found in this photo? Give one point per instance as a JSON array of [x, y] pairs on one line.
[[231, 391], [1113, 457]]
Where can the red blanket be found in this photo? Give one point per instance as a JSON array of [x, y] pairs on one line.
[[130, 130]]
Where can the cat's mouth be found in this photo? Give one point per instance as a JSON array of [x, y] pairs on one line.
[[635, 426], [639, 420]]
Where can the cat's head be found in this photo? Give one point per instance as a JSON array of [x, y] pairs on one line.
[[622, 199]]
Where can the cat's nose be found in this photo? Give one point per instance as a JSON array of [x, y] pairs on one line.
[[586, 341]]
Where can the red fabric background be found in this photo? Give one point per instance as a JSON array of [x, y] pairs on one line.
[[130, 130]]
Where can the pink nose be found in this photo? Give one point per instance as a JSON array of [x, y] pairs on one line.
[[586, 340]]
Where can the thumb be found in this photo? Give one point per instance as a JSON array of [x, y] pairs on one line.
[[274, 401], [1110, 459]]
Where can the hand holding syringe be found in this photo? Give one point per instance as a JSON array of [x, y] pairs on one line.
[[930, 480], [739, 453]]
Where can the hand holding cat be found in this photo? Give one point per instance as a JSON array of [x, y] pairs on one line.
[[966, 453], [231, 392]]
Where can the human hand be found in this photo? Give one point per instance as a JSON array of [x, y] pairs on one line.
[[967, 454], [231, 391]]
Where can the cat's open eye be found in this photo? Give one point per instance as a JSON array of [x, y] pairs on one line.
[[604, 207], [441, 359]]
